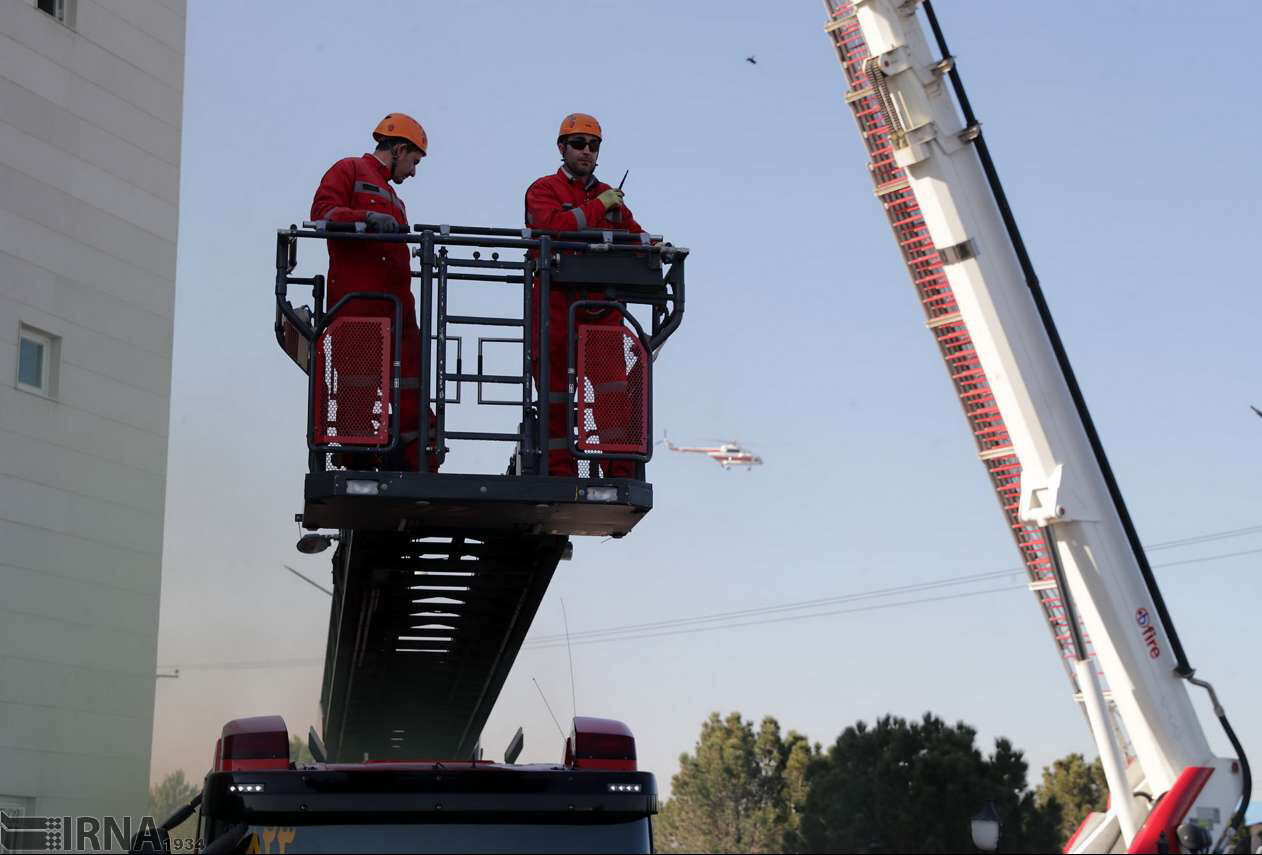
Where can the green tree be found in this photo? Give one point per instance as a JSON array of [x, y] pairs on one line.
[[1077, 786], [739, 791], [299, 753], [169, 795], [913, 787]]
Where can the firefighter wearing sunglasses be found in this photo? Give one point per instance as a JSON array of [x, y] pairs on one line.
[[573, 199]]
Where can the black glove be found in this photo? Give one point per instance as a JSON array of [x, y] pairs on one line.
[[383, 223]]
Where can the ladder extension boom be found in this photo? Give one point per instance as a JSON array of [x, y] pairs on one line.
[[937, 186]]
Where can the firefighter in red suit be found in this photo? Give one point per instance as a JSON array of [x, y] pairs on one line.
[[357, 189], [572, 199]]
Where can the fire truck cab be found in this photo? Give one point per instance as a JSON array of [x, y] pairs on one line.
[[256, 800]]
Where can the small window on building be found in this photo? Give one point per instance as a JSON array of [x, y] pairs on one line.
[[38, 354], [62, 10]]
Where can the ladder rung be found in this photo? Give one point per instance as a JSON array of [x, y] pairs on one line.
[[478, 277], [839, 22], [479, 435], [892, 187], [486, 378], [943, 320], [486, 322], [1106, 693], [482, 262]]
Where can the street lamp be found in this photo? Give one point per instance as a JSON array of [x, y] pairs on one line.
[[986, 828]]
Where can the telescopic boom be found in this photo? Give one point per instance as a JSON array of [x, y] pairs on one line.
[[959, 238]]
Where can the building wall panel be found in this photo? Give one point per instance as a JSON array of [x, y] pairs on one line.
[[103, 204], [90, 124], [111, 357], [164, 23], [86, 306], [31, 459], [83, 97], [30, 503], [93, 565], [41, 245], [80, 52]]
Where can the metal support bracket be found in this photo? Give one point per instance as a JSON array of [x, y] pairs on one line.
[[1053, 499], [961, 251]]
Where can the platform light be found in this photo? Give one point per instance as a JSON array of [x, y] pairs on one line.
[[602, 494], [245, 788], [360, 487], [624, 788], [314, 544]]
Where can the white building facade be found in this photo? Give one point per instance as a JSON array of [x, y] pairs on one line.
[[91, 107]]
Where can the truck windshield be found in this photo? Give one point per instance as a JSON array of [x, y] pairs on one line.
[[485, 836]]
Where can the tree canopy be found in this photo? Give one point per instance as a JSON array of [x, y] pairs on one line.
[[739, 791], [1077, 786], [902, 786], [169, 795], [299, 753]]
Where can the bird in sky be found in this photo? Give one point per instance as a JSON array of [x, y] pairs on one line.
[[751, 60]]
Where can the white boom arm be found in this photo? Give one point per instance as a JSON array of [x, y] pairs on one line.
[[1066, 487]]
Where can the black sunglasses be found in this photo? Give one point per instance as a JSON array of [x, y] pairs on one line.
[[581, 145]]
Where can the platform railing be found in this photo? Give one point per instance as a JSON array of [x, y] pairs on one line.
[[615, 270]]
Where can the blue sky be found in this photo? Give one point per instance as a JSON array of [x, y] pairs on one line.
[[1126, 135]]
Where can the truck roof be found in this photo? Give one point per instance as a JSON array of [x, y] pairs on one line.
[[420, 791], [426, 765]]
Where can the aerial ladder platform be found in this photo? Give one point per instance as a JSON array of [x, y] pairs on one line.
[[438, 575], [937, 184]]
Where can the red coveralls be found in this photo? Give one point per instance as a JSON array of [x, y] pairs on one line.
[[349, 190], [562, 202]]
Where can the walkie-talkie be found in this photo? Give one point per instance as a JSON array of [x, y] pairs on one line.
[[616, 216]]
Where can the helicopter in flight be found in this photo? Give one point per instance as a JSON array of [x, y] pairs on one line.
[[727, 453]]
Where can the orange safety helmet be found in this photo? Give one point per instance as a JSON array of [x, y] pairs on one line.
[[404, 127], [579, 123]]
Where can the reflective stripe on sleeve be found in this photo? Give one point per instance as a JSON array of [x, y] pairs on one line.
[[372, 189], [382, 192]]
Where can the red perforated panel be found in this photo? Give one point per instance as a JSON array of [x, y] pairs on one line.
[[352, 382], [613, 390]]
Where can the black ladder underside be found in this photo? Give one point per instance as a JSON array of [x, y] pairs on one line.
[[384, 699]]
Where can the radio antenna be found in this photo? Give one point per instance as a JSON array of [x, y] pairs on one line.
[[570, 650], [549, 706]]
